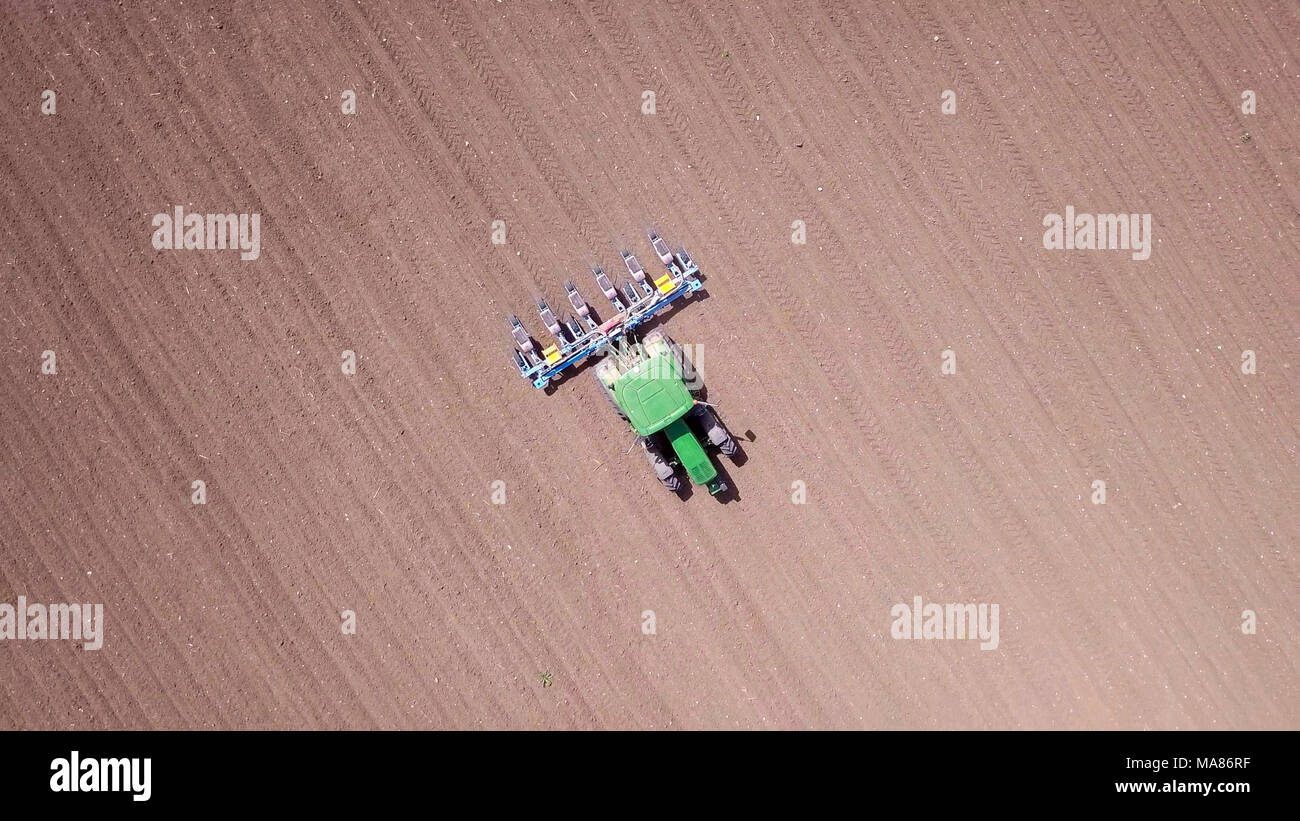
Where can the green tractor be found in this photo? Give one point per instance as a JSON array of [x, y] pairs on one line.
[[650, 386]]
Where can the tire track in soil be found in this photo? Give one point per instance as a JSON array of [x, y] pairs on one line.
[[1006, 522], [269, 344], [1009, 142], [432, 470], [939, 535], [516, 539], [1036, 191], [860, 229], [540, 617], [1190, 191], [680, 132], [78, 293], [1114, 310], [960, 204], [138, 199]]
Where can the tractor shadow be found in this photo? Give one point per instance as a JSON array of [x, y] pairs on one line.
[[685, 491], [739, 458], [732, 493]]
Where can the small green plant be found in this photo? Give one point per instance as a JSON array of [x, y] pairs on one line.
[[546, 679]]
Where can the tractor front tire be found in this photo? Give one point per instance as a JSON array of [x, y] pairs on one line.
[[713, 429], [687, 368], [608, 392]]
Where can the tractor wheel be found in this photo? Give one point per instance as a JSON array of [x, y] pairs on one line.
[[728, 447], [712, 427], [689, 376], [663, 469]]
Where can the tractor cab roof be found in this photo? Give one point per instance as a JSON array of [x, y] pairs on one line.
[[652, 394]]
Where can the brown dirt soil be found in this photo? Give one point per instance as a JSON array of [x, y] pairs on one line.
[[372, 492]]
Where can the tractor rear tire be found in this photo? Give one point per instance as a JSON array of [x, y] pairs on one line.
[[663, 469], [713, 428]]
